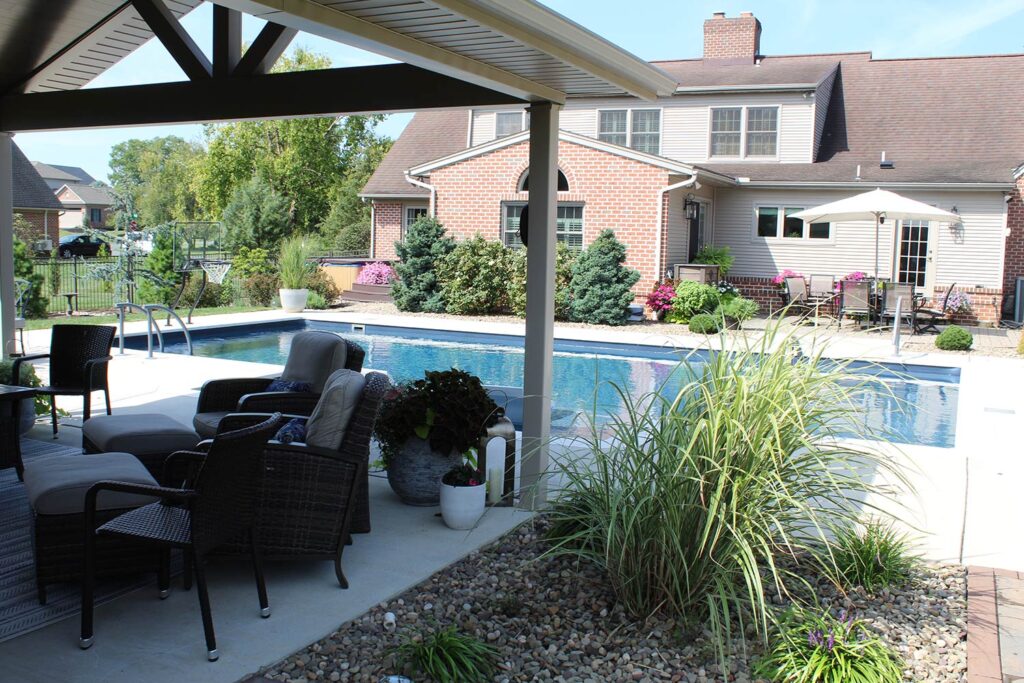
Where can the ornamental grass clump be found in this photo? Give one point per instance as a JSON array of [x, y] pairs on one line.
[[293, 265], [821, 648], [448, 656], [687, 499], [877, 557]]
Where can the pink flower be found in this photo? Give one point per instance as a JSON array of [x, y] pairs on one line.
[[781, 277], [661, 298], [376, 273]]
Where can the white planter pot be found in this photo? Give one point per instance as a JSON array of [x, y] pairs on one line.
[[293, 300], [462, 506]]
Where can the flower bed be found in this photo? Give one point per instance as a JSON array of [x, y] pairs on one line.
[[549, 619]]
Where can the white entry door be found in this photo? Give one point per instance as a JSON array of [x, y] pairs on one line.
[[915, 248]]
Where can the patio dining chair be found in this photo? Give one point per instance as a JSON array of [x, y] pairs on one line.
[[796, 293], [854, 298], [78, 355], [927, 319], [822, 286], [219, 506], [892, 293], [313, 356]]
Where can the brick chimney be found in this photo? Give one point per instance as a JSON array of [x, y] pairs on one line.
[[732, 41]]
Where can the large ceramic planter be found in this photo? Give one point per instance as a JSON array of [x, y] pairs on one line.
[[462, 506], [27, 415], [415, 474], [293, 300]]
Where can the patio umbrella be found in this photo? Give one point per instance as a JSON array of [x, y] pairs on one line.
[[878, 204]]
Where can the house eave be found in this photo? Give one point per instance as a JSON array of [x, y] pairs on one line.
[[383, 195], [763, 87], [869, 185]]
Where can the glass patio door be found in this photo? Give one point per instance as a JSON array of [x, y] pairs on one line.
[[699, 230], [914, 254]]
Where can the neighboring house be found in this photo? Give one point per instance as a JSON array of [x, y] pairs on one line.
[[58, 176], [746, 140], [81, 202], [34, 200]]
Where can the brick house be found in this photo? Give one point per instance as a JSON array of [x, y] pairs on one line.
[[82, 196], [746, 140], [35, 201]]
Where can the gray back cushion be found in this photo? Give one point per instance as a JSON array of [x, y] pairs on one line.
[[313, 356], [327, 425]]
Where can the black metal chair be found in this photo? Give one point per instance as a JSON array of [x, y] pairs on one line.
[[927, 319], [219, 506], [78, 365]]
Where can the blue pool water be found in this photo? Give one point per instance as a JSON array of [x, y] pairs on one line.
[[918, 407]]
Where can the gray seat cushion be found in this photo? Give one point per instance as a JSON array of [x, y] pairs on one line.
[[313, 356], [327, 425], [56, 485], [142, 434], [206, 423]]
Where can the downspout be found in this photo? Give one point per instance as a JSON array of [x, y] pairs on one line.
[[425, 186], [661, 211], [373, 230]]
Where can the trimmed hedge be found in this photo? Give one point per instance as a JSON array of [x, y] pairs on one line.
[[705, 323], [954, 338]]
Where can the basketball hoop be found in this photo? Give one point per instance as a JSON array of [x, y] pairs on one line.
[[216, 271]]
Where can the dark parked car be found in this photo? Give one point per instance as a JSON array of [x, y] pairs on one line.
[[79, 245]]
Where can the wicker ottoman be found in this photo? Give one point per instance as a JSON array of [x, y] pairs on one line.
[[150, 437], [56, 488]]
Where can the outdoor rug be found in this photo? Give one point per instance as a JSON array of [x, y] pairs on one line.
[[20, 611]]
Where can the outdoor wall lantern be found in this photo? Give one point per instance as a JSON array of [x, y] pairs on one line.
[[692, 209]]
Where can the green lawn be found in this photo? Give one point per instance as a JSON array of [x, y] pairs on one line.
[[46, 323]]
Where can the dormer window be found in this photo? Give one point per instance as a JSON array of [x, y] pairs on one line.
[[510, 122], [639, 129], [744, 132]]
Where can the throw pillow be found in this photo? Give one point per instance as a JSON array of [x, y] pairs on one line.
[[327, 425], [287, 385], [293, 431]]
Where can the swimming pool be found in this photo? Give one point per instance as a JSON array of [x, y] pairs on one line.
[[919, 407]]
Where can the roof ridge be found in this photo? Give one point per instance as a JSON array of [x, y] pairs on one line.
[[943, 57], [809, 54]]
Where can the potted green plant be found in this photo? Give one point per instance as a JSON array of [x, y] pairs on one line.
[[294, 271], [29, 406], [463, 496], [427, 427]]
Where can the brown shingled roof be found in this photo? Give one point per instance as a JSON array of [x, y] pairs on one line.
[[429, 135], [30, 191], [807, 70]]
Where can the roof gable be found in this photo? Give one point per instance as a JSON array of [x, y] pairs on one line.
[[30, 191]]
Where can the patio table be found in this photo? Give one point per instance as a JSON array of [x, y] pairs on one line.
[[10, 426]]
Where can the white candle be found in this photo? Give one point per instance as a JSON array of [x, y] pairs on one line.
[[495, 483]]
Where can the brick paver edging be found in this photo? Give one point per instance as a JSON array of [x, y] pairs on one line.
[[983, 664]]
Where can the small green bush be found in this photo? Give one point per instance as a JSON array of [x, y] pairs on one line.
[[316, 301], [35, 301], [877, 557], [692, 298], [214, 295], [954, 338], [418, 287], [602, 287], [28, 378], [321, 283], [705, 323], [719, 256], [475, 277], [564, 260], [447, 656], [251, 261], [813, 648], [738, 309], [261, 289]]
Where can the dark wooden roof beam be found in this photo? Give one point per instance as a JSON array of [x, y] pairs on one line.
[[264, 52], [175, 39], [227, 40]]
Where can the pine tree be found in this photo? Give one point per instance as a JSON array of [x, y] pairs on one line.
[[601, 285], [418, 287]]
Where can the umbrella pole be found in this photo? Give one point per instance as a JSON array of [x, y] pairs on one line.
[[876, 247]]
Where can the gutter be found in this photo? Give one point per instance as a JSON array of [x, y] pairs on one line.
[[763, 87], [428, 187], [692, 181], [373, 230], [869, 184]]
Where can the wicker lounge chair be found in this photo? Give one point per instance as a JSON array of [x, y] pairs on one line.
[[220, 506], [313, 356], [78, 365]]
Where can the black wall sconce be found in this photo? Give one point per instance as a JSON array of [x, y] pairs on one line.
[[692, 209]]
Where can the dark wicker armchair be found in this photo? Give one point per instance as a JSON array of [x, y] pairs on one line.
[[78, 365], [220, 506], [312, 498], [313, 356]]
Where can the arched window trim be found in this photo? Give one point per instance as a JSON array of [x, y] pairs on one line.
[[524, 180]]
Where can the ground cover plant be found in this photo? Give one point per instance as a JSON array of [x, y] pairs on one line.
[[879, 556], [954, 338], [705, 323], [822, 648], [689, 499], [448, 656]]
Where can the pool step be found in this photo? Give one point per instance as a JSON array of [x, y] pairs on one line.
[[368, 293]]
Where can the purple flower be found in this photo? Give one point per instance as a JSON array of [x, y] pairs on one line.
[[376, 273], [831, 642]]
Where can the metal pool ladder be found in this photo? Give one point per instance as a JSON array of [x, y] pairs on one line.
[[151, 325]]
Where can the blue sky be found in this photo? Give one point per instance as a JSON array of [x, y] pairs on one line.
[[665, 29]]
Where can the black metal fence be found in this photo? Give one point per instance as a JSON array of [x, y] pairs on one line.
[[67, 284]]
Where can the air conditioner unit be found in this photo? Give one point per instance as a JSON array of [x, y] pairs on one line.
[[42, 245]]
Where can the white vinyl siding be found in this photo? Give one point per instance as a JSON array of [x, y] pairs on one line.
[[970, 256], [678, 238]]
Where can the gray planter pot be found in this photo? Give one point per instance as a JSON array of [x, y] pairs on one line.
[[415, 475]]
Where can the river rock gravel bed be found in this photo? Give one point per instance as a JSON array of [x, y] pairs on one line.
[[554, 621]]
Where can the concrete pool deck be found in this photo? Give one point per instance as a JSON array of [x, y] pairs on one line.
[[965, 510]]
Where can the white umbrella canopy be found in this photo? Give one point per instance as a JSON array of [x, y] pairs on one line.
[[878, 204]]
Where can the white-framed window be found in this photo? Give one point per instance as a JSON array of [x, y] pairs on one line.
[[777, 222], [639, 129], [744, 132], [568, 225], [510, 122], [411, 214]]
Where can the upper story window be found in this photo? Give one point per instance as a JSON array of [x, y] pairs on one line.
[[777, 222], [744, 132], [510, 122], [639, 129]]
